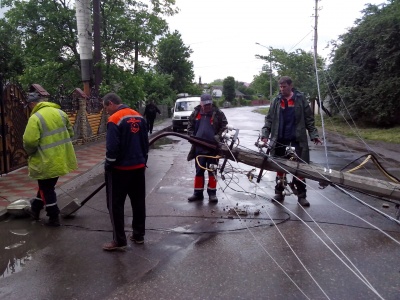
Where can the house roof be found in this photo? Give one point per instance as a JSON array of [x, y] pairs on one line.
[[39, 89]]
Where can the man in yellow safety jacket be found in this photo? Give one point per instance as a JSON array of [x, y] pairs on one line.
[[47, 141]]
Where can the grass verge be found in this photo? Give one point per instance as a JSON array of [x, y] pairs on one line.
[[349, 129]]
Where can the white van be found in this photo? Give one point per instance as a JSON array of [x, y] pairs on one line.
[[182, 110]]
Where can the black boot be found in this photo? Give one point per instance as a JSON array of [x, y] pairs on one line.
[[54, 221], [196, 197], [33, 213], [213, 198], [301, 192], [301, 198], [36, 206]]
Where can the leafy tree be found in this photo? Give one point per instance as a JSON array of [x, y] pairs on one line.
[[173, 59], [299, 65], [194, 89], [48, 34], [247, 91], [47, 31], [229, 88], [261, 86], [131, 28], [11, 61], [216, 82], [365, 67], [158, 87], [128, 86]]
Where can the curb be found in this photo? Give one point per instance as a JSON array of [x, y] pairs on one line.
[[91, 173], [3, 213]]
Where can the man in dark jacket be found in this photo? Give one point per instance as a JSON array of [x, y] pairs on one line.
[[150, 112], [286, 125], [207, 122], [127, 147]]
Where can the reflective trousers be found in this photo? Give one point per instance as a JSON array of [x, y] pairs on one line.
[[200, 178], [46, 197]]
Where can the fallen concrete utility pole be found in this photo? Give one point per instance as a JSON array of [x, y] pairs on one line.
[[364, 184]]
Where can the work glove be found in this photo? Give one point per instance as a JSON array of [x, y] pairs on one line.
[[217, 137], [317, 141]]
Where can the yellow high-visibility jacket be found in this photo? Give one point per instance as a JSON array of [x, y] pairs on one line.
[[47, 141]]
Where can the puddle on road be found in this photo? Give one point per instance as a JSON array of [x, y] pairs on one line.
[[162, 142], [20, 238]]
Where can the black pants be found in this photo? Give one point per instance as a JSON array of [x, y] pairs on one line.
[[48, 197], [119, 185], [150, 123]]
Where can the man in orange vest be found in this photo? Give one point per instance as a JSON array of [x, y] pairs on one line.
[[207, 122]]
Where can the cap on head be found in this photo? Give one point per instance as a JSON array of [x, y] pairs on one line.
[[206, 99], [33, 97]]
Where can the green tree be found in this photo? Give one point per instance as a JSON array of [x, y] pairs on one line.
[[11, 61], [130, 30], [216, 82], [48, 34], [173, 59], [228, 88], [128, 86], [299, 65], [47, 31], [261, 85], [247, 91], [365, 67], [158, 87]]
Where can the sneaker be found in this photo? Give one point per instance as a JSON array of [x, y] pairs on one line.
[[113, 246], [195, 198], [278, 198], [35, 215], [137, 239], [53, 222], [303, 202], [213, 198]]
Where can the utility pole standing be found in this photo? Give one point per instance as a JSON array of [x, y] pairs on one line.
[[85, 42], [97, 45], [316, 29], [315, 59]]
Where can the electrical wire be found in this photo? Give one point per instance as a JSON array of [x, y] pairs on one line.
[[392, 238], [271, 257]]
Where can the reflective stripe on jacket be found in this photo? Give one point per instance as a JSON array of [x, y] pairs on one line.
[[127, 139], [47, 141]]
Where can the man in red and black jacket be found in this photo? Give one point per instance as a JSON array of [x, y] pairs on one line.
[[127, 147]]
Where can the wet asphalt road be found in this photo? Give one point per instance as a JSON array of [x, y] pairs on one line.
[[204, 251]]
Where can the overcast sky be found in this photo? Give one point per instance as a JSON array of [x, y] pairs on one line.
[[223, 33]]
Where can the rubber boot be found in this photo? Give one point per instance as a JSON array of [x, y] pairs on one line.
[[36, 206], [54, 221], [279, 188], [212, 188], [301, 192], [212, 198], [198, 189], [196, 197]]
